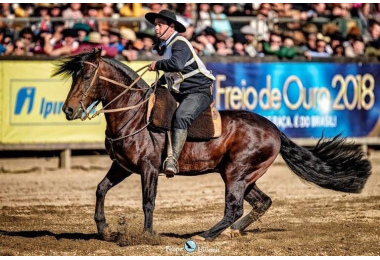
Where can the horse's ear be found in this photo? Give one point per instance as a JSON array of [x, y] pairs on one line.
[[98, 52]]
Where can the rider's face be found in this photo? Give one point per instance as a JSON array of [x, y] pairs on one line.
[[162, 29]]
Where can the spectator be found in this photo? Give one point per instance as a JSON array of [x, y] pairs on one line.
[[274, 44], [156, 7], [6, 10], [106, 12], [24, 10], [132, 10], [43, 11], [95, 41], [7, 44], [238, 49], [365, 15], [347, 17], [83, 30], [72, 12], [128, 37], [235, 10], [289, 11], [344, 20], [204, 42], [311, 43], [203, 18], [282, 48], [354, 47], [147, 39], [338, 51], [39, 45], [336, 40], [219, 20], [114, 35], [260, 24], [373, 41], [221, 45], [19, 48], [321, 48], [300, 44], [374, 32], [68, 45], [2, 47], [56, 12], [27, 37], [319, 10], [251, 43], [91, 14], [184, 16]]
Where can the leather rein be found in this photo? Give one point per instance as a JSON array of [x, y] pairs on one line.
[[127, 88]]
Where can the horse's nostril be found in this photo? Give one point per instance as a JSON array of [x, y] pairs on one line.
[[69, 111]]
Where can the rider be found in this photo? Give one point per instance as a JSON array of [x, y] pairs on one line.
[[186, 76]]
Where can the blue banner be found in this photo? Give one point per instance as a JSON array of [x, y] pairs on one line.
[[303, 99]]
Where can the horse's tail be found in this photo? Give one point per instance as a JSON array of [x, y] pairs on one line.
[[331, 164]]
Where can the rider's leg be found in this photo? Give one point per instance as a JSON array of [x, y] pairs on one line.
[[189, 109]]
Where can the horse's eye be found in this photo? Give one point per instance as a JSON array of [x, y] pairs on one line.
[[86, 77]]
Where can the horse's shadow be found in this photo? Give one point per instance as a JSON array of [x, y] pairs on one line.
[[42, 233], [81, 236], [246, 232]]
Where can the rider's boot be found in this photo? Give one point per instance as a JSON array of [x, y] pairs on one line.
[[171, 163]]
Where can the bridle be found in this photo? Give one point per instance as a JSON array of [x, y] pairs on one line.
[[127, 88]]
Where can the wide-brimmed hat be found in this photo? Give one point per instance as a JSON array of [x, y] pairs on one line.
[[94, 37], [114, 31], [128, 34], [168, 16], [69, 33], [44, 6], [144, 34], [310, 28], [82, 27], [247, 29]]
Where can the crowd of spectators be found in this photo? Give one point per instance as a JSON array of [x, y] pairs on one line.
[[283, 30]]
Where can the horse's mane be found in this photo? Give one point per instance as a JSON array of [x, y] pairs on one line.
[[69, 66]]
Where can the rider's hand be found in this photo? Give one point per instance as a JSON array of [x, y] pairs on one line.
[[152, 66]]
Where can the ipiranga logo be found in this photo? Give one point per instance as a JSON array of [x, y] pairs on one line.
[[36, 105], [25, 97]]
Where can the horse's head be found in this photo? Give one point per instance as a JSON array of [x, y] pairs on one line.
[[85, 87]]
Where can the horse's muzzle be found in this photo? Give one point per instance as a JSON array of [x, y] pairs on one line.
[[71, 113]]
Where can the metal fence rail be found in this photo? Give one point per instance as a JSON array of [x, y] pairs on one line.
[[140, 24]]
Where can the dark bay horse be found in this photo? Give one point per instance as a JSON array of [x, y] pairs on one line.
[[248, 145]]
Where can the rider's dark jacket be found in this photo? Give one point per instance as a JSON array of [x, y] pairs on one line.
[[180, 58]]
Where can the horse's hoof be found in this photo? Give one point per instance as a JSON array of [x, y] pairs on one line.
[[105, 234], [198, 238], [230, 233]]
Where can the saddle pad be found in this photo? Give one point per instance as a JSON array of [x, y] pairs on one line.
[[162, 107]]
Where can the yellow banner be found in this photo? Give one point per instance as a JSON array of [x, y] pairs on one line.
[[31, 106]]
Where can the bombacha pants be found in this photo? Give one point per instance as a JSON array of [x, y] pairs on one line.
[[191, 106]]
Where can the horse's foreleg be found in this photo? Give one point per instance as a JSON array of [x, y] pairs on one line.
[[115, 175], [149, 181], [260, 203], [234, 199]]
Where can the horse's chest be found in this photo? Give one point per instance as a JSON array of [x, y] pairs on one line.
[[123, 153]]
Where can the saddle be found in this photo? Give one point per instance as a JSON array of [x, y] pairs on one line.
[[162, 107]]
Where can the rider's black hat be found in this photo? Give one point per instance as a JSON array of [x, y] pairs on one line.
[[168, 16]]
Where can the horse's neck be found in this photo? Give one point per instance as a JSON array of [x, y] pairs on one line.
[[124, 122]]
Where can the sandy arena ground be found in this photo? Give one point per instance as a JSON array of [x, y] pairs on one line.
[[47, 211]]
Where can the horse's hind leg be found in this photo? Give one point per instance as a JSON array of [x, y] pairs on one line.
[[234, 199], [260, 203], [115, 175]]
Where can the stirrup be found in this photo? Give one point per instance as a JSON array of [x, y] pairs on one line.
[[171, 173]]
